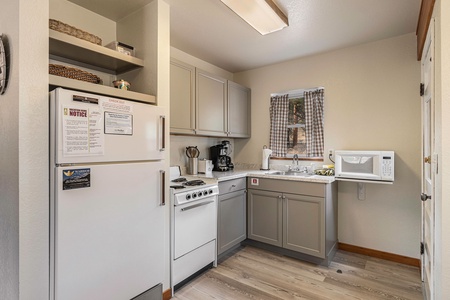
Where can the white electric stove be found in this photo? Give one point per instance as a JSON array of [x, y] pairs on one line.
[[194, 225]]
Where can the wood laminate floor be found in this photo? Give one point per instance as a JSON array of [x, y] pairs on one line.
[[252, 273]]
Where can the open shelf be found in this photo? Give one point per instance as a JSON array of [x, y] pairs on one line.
[[84, 86], [75, 49]]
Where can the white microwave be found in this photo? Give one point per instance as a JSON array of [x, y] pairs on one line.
[[364, 165]]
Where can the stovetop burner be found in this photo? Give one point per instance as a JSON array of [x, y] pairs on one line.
[[179, 179], [194, 182], [177, 187]]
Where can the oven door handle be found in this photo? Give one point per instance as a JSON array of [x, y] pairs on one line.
[[196, 205]]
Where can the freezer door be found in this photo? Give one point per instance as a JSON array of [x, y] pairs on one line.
[[107, 231], [88, 128]]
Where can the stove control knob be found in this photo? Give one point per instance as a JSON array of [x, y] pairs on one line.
[[188, 197], [205, 193], [199, 194], [210, 191], [194, 195]]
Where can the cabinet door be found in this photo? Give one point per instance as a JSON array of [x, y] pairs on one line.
[[304, 224], [238, 110], [231, 220], [265, 217], [211, 96], [182, 97]]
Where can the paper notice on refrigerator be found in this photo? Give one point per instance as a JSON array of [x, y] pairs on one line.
[[82, 132], [116, 123], [116, 105]]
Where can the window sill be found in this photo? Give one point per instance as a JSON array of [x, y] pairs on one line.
[[300, 158]]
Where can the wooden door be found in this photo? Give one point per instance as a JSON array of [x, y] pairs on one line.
[[429, 165]]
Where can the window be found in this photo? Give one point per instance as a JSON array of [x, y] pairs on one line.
[[296, 127], [296, 123]]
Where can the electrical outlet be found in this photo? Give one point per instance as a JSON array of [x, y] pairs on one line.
[[330, 152]]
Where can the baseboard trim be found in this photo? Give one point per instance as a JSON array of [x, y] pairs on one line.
[[167, 294], [380, 254]]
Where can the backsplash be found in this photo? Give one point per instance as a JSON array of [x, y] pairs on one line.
[[178, 144]]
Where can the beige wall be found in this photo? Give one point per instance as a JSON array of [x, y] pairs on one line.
[[9, 161], [372, 102], [77, 16], [24, 156]]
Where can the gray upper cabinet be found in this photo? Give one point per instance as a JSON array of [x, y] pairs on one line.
[[182, 97], [211, 100], [206, 104], [238, 110]]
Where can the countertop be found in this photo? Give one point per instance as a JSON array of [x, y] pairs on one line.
[[234, 174]]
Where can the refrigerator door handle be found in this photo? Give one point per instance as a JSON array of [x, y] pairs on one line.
[[162, 174], [162, 120]]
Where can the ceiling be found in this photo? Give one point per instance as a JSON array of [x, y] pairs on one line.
[[209, 30]]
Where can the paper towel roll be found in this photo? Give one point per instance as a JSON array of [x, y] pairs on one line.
[[265, 159]]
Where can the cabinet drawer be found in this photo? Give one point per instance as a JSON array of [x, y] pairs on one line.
[[232, 185]]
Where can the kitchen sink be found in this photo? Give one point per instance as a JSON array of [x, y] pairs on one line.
[[289, 173]]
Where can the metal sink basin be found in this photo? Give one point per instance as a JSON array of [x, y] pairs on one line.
[[289, 173]]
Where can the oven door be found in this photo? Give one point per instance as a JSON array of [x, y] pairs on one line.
[[195, 224]]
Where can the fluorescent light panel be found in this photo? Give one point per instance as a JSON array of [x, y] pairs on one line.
[[263, 15]]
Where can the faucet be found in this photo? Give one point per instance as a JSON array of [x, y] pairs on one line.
[[294, 166]]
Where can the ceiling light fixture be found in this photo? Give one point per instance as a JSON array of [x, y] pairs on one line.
[[263, 15]]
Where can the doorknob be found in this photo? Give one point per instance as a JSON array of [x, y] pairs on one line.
[[424, 197], [427, 159]]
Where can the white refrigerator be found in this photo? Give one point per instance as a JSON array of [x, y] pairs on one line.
[[106, 196]]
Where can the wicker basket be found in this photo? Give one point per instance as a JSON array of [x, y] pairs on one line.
[[73, 31], [73, 73]]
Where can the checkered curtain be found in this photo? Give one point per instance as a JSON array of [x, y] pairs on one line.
[[279, 111], [314, 122]]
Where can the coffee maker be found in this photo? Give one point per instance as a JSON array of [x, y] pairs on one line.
[[220, 156]]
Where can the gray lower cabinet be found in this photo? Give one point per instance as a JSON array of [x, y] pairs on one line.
[[304, 224], [293, 215], [265, 217], [232, 213]]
